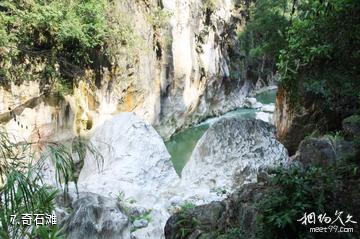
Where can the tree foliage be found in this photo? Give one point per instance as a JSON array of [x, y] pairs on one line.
[[322, 51], [264, 34], [56, 40]]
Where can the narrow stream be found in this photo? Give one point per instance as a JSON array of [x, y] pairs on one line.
[[181, 145]]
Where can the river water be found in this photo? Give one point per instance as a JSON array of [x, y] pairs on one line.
[[181, 145]]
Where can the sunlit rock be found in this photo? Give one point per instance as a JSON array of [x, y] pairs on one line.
[[266, 117], [231, 152], [136, 166]]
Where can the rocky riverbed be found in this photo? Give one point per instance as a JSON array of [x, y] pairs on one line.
[[137, 173]]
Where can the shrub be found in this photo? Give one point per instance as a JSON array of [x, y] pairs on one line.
[[297, 191], [57, 40]]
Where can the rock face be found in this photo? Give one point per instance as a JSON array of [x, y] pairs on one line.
[[27, 114], [232, 151], [206, 221], [136, 167], [323, 151], [96, 217], [183, 73], [291, 126], [136, 162], [311, 113], [351, 126]]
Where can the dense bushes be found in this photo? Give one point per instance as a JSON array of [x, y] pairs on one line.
[[59, 34], [264, 36], [298, 191], [313, 45], [56, 41], [22, 192], [322, 51]]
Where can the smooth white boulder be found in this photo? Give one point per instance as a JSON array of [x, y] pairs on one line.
[[252, 103], [136, 167], [266, 117], [136, 162], [270, 108]]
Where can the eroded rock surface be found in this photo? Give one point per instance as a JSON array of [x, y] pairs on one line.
[[185, 71], [96, 217], [323, 151], [206, 221], [231, 152], [136, 162], [136, 167]]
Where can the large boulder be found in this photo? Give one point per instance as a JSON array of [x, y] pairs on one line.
[[206, 221], [135, 163], [252, 103], [270, 108], [232, 151], [266, 117], [136, 167], [96, 217], [323, 151]]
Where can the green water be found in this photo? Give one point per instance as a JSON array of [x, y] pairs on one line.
[[267, 97], [181, 145]]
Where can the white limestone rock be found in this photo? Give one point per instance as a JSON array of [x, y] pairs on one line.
[[136, 162], [270, 108], [136, 165], [141, 223], [266, 117], [231, 152], [252, 103]]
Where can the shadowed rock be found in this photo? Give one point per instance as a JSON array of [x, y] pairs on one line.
[[96, 217]]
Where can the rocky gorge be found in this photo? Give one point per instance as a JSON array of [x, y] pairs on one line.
[[178, 119], [183, 74]]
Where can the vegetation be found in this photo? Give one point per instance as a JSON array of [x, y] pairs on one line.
[[209, 5], [353, 119], [56, 41], [322, 51], [259, 40], [63, 32], [264, 36], [296, 191], [68, 161], [144, 216], [186, 221], [22, 190], [313, 45]]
